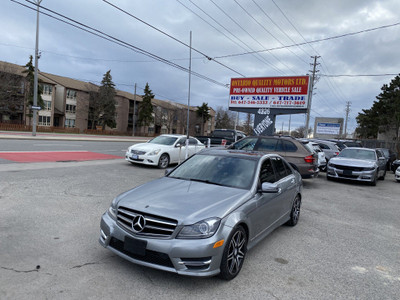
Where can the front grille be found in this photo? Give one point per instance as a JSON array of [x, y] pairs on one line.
[[155, 226], [150, 256], [138, 152], [350, 168]]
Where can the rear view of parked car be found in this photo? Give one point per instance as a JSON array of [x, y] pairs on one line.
[[305, 161], [314, 147], [330, 149], [358, 164]]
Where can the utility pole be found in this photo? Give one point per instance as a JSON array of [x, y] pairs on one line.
[[348, 104], [190, 80], [313, 80], [134, 113], [35, 80]]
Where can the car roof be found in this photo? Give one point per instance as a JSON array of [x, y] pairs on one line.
[[359, 148], [255, 155]]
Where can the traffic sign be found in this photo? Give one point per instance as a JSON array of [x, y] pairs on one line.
[[36, 107]]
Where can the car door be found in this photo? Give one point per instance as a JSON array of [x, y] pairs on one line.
[[286, 182], [177, 153], [193, 147], [263, 217], [381, 162]]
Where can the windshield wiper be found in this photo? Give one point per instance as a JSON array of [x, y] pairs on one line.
[[205, 181]]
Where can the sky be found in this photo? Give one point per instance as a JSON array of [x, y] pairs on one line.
[[357, 44]]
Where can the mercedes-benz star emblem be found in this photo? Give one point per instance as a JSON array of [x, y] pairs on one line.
[[138, 223]]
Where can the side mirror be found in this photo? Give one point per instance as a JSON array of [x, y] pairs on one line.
[[267, 187], [178, 145]]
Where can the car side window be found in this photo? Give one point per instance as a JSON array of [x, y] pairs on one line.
[[245, 144], [323, 146], [288, 168], [182, 141], [267, 173], [266, 144], [280, 168], [192, 141], [289, 146]]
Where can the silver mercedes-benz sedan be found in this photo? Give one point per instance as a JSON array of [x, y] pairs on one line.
[[360, 164], [203, 216]]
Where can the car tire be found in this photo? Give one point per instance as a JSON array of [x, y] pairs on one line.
[[163, 162], [295, 212], [234, 254], [383, 176]]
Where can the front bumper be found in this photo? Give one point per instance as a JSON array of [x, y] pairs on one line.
[[142, 159], [195, 257], [365, 176], [397, 175]]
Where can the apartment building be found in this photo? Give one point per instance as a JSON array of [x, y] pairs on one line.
[[66, 105]]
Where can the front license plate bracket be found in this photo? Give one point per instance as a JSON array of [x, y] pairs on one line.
[[135, 246]]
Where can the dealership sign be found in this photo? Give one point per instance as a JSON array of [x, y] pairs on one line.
[[328, 128], [270, 92]]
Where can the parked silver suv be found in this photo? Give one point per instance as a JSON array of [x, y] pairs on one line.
[[331, 149]]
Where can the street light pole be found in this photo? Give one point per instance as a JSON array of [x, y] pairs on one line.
[[35, 84]]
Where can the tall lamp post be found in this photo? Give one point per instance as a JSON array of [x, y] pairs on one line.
[[35, 84]]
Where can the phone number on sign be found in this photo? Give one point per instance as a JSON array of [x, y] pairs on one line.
[[270, 102]]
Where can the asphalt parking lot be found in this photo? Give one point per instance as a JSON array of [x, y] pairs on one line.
[[345, 246]]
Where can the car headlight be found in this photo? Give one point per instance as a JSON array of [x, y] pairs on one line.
[[154, 152], [112, 210], [331, 165], [369, 169], [200, 230]]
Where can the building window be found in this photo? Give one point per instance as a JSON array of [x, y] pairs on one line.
[[70, 123], [47, 89], [70, 108], [71, 94], [47, 105], [44, 121]]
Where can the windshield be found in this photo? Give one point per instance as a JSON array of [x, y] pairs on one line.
[[220, 170], [358, 154], [164, 140]]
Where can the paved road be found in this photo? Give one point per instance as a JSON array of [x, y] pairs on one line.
[[346, 245], [50, 142]]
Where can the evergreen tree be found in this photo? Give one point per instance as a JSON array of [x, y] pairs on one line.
[[30, 77], [107, 99], [203, 112], [102, 103], [384, 114], [145, 117]]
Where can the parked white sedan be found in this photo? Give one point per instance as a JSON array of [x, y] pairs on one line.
[[163, 150]]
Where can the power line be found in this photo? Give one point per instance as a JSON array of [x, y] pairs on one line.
[[241, 27], [222, 26], [273, 22], [112, 39], [313, 41], [170, 36], [266, 30]]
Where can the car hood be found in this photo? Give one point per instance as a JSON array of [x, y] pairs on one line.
[[363, 163], [183, 200], [147, 147]]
